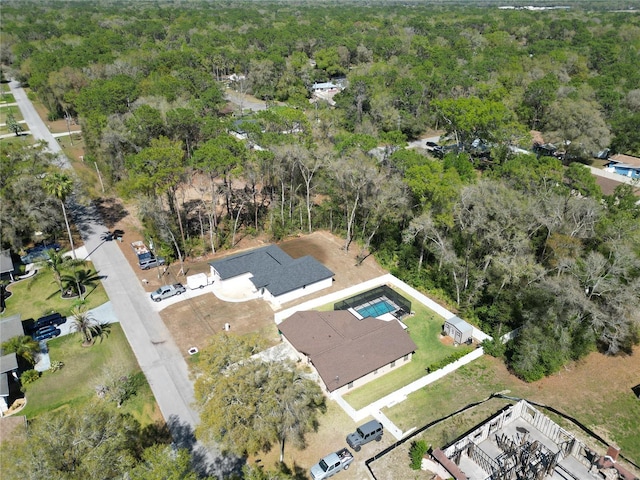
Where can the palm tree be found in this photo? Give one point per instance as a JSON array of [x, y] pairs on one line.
[[79, 279], [84, 324], [57, 262], [24, 346], [60, 185]]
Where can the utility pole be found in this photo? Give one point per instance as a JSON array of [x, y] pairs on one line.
[[66, 117]]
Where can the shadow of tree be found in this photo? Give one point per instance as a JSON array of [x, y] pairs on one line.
[[110, 210], [205, 461]]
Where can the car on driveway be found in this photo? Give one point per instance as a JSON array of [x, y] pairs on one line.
[[39, 252], [51, 319], [45, 333], [167, 291], [151, 262], [364, 434]]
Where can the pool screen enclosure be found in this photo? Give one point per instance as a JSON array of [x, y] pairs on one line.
[[376, 302]]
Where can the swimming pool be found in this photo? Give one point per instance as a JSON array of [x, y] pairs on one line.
[[375, 309]]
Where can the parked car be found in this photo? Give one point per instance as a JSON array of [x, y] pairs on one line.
[[167, 291], [331, 464], [151, 262], [39, 252], [366, 433], [51, 319], [45, 333], [431, 146]]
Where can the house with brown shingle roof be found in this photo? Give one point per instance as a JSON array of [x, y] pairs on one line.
[[347, 352]]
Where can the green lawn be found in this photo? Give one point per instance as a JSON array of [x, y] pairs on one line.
[[84, 367], [4, 111], [39, 295], [424, 328]]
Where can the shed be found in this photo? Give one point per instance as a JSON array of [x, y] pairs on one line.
[[458, 329]]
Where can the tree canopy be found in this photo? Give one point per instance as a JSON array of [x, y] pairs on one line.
[[491, 229], [250, 405]]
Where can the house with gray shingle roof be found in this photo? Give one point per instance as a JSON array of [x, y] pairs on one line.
[[347, 351], [275, 276], [11, 327], [6, 263], [8, 373]]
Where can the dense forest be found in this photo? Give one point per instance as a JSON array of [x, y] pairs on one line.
[[511, 240]]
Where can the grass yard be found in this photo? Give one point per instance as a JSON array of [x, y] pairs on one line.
[[21, 141], [39, 295], [84, 367], [424, 328], [4, 112], [6, 97]]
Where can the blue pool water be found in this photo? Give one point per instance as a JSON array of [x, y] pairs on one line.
[[376, 309]]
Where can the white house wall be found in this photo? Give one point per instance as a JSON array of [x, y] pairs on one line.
[[373, 375], [239, 281], [295, 294]]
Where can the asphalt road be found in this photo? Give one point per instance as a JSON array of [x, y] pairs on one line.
[[158, 356]]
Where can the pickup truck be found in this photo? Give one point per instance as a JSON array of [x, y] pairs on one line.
[[141, 250], [167, 291], [332, 464], [146, 259]]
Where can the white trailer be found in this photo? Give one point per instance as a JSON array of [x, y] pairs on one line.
[[199, 280]]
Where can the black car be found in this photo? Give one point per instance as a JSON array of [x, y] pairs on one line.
[[39, 252], [51, 319], [46, 332]]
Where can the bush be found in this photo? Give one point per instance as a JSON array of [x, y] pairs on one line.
[[56, 365], [28, 377], [447, 360], [416, 452], [494, 347]]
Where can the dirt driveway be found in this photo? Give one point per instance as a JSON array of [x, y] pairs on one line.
[[192, 321]]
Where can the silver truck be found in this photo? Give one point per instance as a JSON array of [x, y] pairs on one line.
[[167, 291], [332, 464]]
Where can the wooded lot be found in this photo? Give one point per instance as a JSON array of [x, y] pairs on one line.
[[510, 240]]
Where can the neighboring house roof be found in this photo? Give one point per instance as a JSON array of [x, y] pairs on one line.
[[6, 264], [343, 348], [8, 363], [623, 167], [607, 185], [460, 324], [271, 268], [625, 159], [324, 86], [10, 327]]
